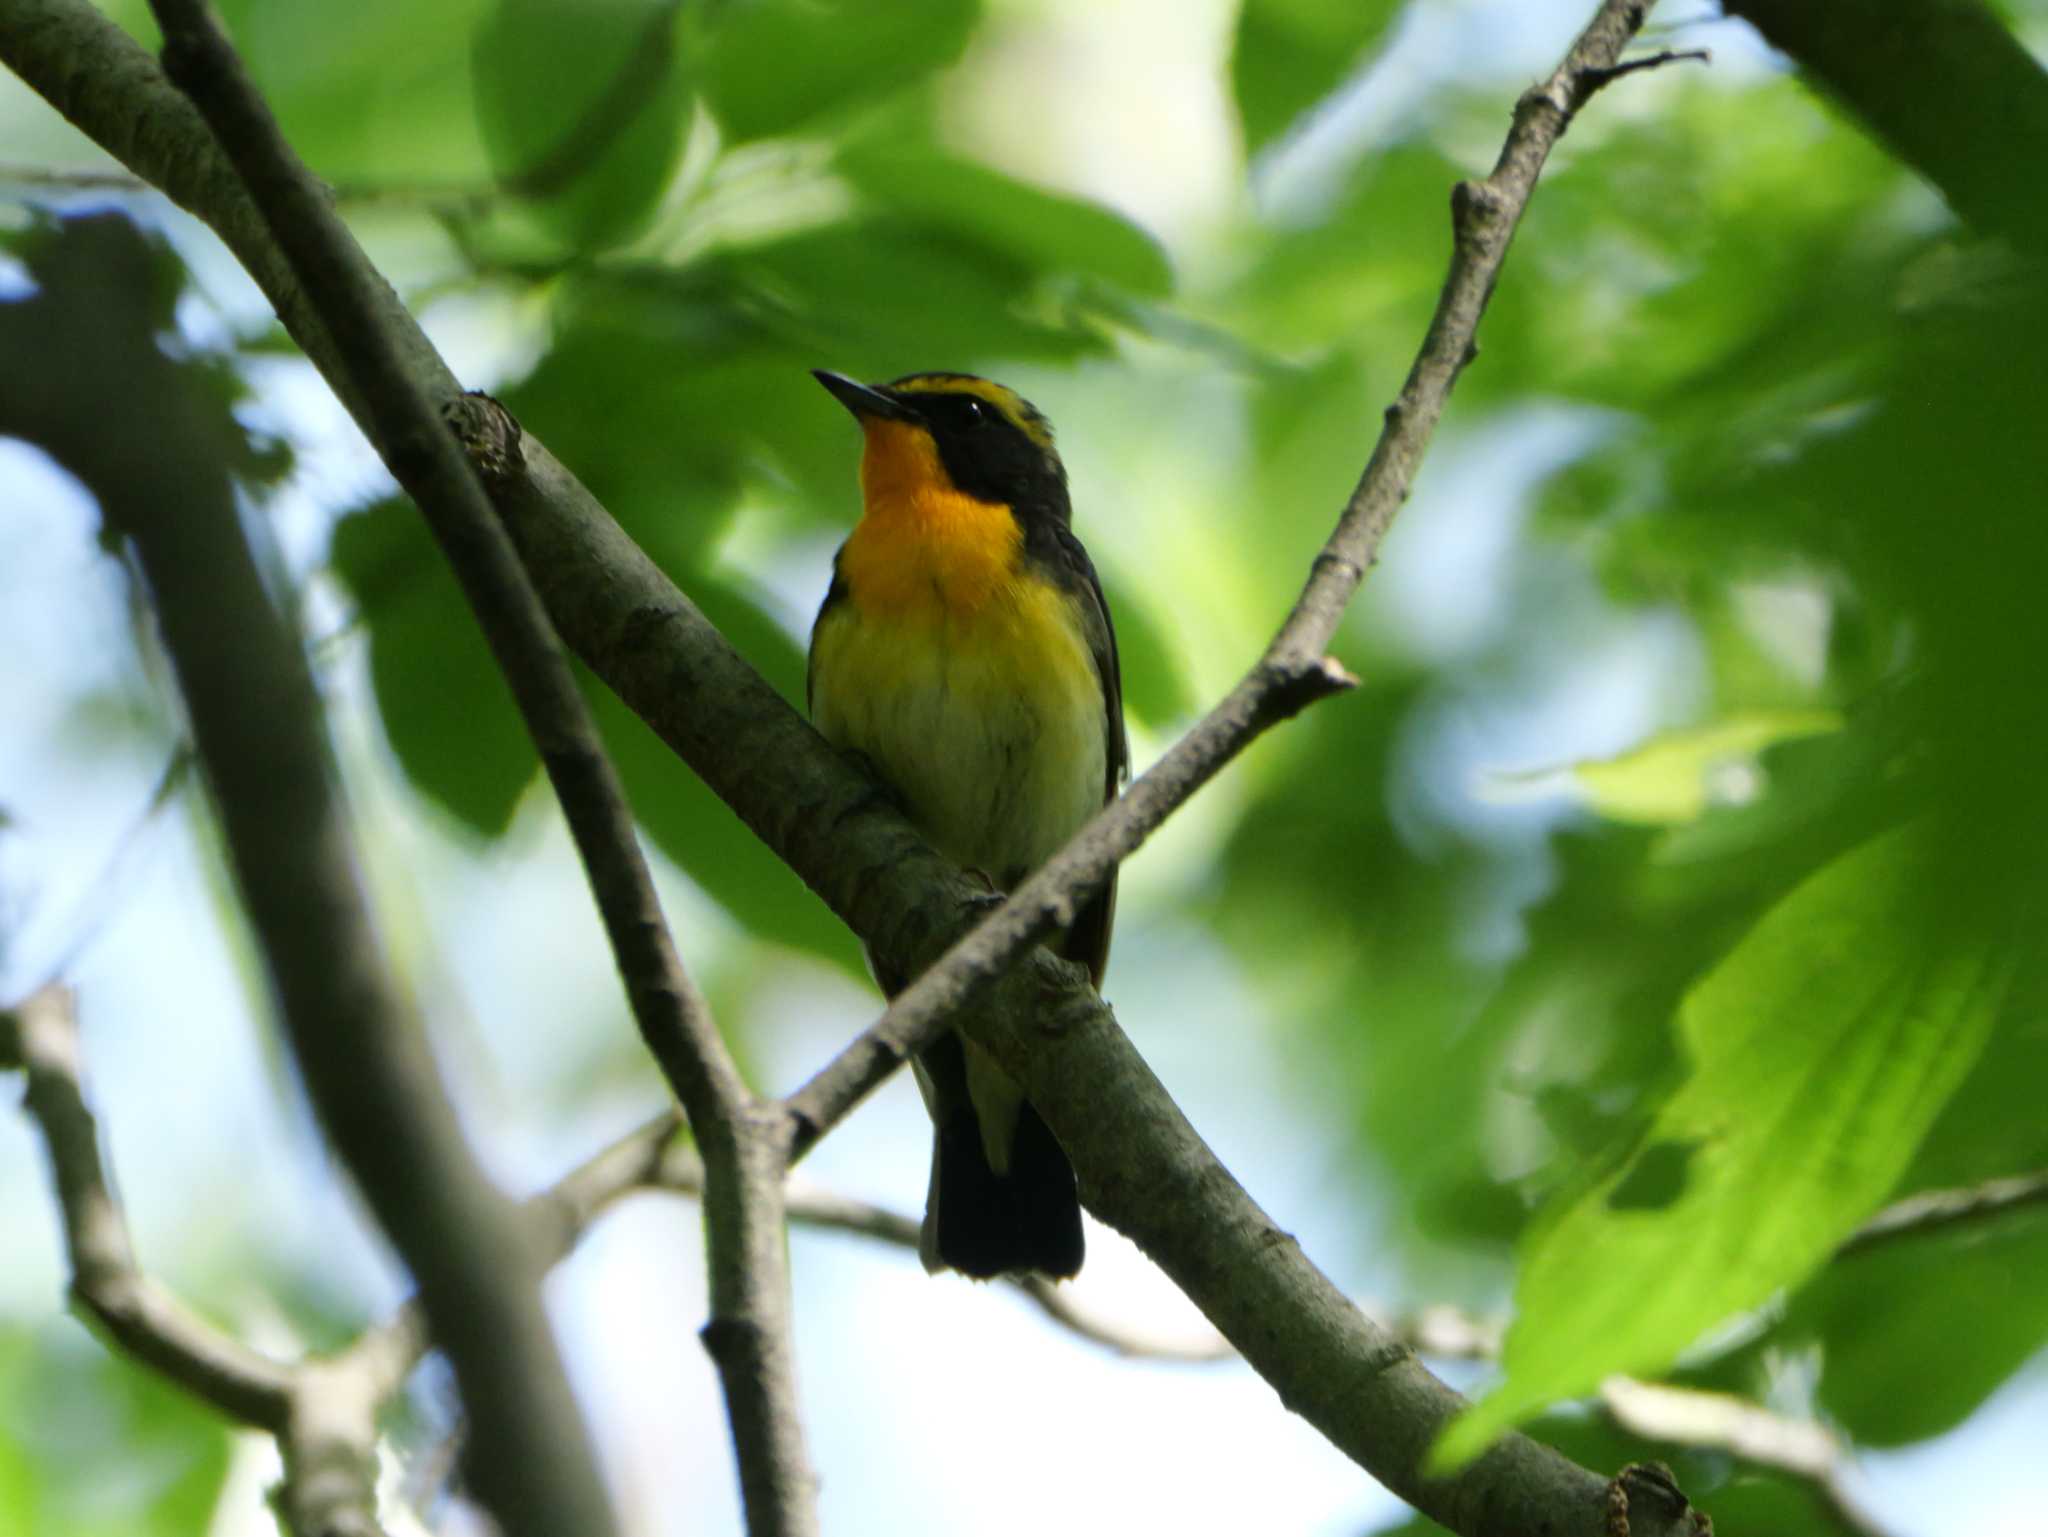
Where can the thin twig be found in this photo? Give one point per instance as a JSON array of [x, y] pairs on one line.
[[749, 1331], [342, 286], [136, 1313], [1649, 61], [256, 726], [1932, 1211], [1143, 1167], [1293, 672], [1803, 1449], [649, 1159], [41, 1035], [324, 1418]]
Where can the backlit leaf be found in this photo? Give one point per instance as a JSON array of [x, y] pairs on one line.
[[1821, 1050]]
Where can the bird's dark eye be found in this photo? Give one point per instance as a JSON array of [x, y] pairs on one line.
[[976, 412]]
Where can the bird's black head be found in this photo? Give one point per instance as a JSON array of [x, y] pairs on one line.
[[993, 443]]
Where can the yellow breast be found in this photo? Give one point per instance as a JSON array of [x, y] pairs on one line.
[[964, 677]]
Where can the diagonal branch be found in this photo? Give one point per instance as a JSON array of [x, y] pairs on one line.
[[1143, 1167], [106, 1283], [342, 288], [257, 731], [1293, 672], [323, 1416], [749, 1331]]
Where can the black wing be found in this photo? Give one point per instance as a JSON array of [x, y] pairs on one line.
[[1088, 940], [1078, 576], [834, 595]]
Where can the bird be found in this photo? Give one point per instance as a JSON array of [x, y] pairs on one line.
[[964, 657]]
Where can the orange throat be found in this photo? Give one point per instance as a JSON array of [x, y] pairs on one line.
[[924, 551]]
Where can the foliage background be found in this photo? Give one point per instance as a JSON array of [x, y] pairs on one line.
[[1723, 568]]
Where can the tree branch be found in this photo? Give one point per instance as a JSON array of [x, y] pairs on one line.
[[748, 1334], [1943, 84], [1143, 1168], [1932, 1211], [256, 728], [341, 1393], [1805, 1449], [1293, 673], [341, 288], [324, 1420], [137, 1314]]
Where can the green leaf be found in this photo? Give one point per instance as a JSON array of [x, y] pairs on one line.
[[704, 837], [1156, 688], [384, 98], [1955, 1314], [887, 294], [774, 66], [92, 1446], [1289, 54], [1675, 776], [1305, 287], [1822, 1049], [1043, 230], [446, 710], [452, 725], [584, 108]]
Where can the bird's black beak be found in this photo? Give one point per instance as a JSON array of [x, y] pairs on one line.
[[863, 401]]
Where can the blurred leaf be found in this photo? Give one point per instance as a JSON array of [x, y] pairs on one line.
[[1414, 1526], [1044, 230], [1289, 54], [704, 838], [1953, 1313], [451, 723], [1353, 939], [775, 66], [892, 293], [672, 392], [1672, 778], [1821, 793], [583, 107], [1156, 689], [1581, 1018], [1822, 1049], [91, 1446], [1993, 1126], [380, 94], [96, 270], [446, 710], [1362, 273], [666, 428], [1685, 269]]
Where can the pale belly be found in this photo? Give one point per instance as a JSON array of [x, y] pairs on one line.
[[998, 760]]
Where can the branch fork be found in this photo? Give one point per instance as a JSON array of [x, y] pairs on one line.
[[1145, 1169]]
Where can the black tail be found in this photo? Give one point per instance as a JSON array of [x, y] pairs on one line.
[[984, 1224]]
